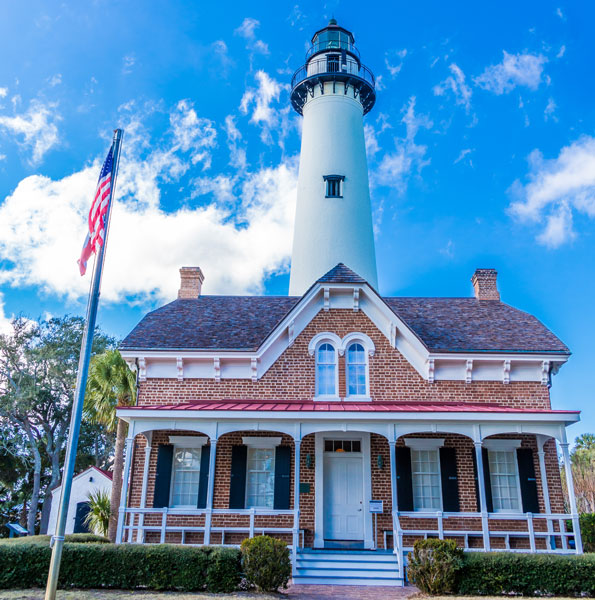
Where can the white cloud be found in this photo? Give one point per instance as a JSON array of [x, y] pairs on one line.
[[3, 92], [561, 52], [455, 83], [515, 69], [560, 14], [394, 61], [557, 188], [55, 80], [247, 30], [237, 153], [261, 100], [127, 63], [394, 168], [5, 321], [37, 126], [237, 242], [192, 133], [2, 156], [465, 152], [550, 109]]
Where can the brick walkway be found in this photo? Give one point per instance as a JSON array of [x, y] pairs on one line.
[[348, 592]]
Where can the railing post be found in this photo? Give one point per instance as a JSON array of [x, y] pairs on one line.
[[163, 526], [531, 529], [578, 544], [397, 535], [562, 526], [252, 512], [210, 492], [483, 503], [124, 493], [440, 519], [140, 537]]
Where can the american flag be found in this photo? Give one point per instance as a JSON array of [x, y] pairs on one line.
[[96, 234]]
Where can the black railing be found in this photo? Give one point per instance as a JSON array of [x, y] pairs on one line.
[[333, 65]]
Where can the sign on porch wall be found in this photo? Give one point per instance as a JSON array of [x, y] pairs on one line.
[[376, 506]]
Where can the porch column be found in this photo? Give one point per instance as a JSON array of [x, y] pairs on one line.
[[483, 503], [140, 537], [578, 544], [124, 496], [296, 503], [395, 506], [541, 439], [210, 492]]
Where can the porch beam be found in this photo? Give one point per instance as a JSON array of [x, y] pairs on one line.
[[483, 503], [578, 544], [124, 494]]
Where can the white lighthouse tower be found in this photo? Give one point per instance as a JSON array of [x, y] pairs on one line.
[[333, 224]]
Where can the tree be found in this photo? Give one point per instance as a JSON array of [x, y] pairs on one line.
[[111, 384], [583, 472], [99, 510], [38, 368]]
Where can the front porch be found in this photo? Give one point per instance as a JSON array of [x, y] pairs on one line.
[[331, 470]]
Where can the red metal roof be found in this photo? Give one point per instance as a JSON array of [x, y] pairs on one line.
[[376, 406]]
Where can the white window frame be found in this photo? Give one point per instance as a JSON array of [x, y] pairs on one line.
[[318, 395], [506, 446], [432, 444], [260, 443], [366, 394], [185, 443]]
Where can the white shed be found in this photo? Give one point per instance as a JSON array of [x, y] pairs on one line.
[[83, 484]]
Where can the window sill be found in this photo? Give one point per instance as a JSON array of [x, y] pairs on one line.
[[333, 196], [358, 399], [327, 399]]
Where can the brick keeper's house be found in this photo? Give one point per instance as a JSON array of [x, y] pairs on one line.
[[347, 423]]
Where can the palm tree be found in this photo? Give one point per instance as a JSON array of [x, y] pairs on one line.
[[111, 384], [99, 512]]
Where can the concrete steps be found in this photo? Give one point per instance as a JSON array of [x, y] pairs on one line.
[[347, 567]]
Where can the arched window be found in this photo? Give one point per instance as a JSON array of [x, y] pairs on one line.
[[326, 370], [357, 384]]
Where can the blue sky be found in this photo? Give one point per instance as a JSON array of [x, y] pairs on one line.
[[481, 152]]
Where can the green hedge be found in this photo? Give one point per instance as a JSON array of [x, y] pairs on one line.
[[496, 574], [73, 538], [155, 567]]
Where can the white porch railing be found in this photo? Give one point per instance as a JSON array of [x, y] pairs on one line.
[[553, 531], [135, 527]]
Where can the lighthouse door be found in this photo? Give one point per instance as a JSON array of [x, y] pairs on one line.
[[343, 493]]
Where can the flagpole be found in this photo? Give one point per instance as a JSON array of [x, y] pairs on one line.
[[81, 384]]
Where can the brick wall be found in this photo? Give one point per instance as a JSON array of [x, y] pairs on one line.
[[392, 378]]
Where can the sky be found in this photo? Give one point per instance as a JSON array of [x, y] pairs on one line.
[[481, 153]]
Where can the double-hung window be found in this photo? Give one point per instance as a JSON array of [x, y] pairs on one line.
[[326, 370], [185, 476], [504, 480], [425, 474], [356, 370], [260, 477], [334, 185]]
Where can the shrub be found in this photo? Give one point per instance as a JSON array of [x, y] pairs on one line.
[[127, 567], [433, 565], [266, 563], [71, 538], [587, 523], [496, 574]]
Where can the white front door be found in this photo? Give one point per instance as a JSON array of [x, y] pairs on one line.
[[343, 496]]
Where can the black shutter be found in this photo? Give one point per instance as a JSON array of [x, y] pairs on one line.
[[165, 456], [450, 480], [282, 477], [203, 481], [476, 480], [404, 482], [487, 480], [237, 485], [528, 480]]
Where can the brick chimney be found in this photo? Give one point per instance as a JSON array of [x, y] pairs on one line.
[[485, 284], [191, 279]]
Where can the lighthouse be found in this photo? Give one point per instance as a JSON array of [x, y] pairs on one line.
[[333, 91]]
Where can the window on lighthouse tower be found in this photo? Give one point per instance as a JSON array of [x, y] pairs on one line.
[[334, 185]]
